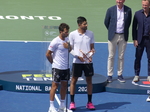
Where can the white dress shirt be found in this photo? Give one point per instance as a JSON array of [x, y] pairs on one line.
[[120, 20]]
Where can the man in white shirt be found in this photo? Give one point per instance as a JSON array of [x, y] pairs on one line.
[[57, 55], [82, 44], [117, 22]]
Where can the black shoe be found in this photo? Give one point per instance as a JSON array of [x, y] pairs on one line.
[[121, 79], [109, 79]]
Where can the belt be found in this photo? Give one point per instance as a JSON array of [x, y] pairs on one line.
[[119, 33]]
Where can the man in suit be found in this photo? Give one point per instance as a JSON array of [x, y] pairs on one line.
[[117, 21], [141, 37]]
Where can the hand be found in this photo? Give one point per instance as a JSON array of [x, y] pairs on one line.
[[135, 42], [90, 59], [66, 45], [93, 50], [87, 57], [81, 59]]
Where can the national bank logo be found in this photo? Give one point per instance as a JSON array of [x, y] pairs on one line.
[[41, 77], [37, 77], [14, 17]]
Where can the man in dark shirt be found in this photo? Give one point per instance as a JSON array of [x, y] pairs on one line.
[[141, 37]]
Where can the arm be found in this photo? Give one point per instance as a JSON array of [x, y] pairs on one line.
[[71, 40], [134, 31], [107, 19], [49, 56], [129, 17], [67, 46], [92, 47], [89, 54], [72, 51], [80, 58]]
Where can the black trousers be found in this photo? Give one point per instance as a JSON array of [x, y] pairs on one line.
[[145, 43]]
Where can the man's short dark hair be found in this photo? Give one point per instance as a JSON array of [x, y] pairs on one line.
[[81, 19], [62, 26]]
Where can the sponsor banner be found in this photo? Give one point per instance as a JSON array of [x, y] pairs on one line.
[[46, 88], [14, 17], [40, 82]]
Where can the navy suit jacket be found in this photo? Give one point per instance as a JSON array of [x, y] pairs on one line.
[[111, 21], [137, 26]]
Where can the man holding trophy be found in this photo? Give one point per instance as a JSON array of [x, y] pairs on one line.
[[82, 44]]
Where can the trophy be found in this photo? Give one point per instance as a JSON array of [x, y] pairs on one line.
[[87, 56]]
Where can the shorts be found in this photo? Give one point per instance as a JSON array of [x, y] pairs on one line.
[[78, 68], [60, 75]]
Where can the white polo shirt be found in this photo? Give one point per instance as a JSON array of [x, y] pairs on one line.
[[81, 42], [60, 54]]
